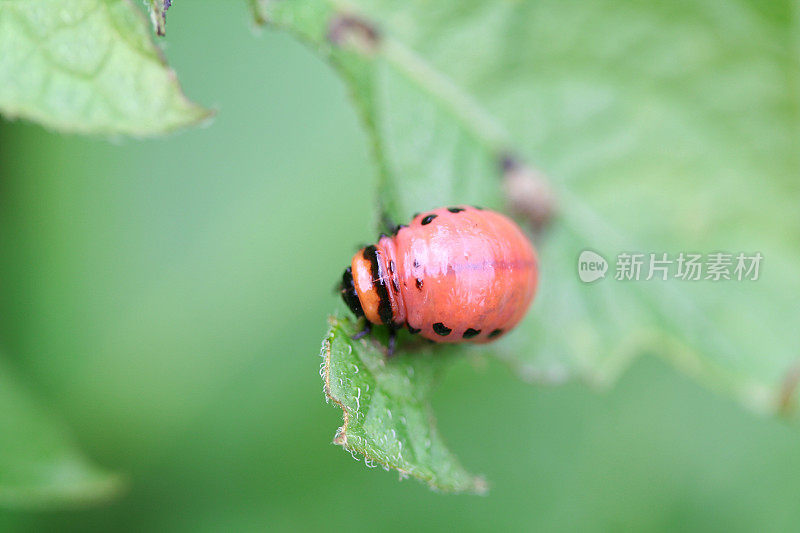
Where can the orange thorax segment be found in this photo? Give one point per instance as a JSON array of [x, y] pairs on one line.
[[375, 280]]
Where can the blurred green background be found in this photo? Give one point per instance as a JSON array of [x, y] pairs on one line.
[[167, 298]]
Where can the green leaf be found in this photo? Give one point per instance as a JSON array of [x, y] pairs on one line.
[[387, 414], [662, 129], [40, 466], [88, 66]]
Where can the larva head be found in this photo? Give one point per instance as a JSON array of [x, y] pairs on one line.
[[364, 286], [365, 280]]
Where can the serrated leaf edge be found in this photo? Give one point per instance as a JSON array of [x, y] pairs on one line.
[[196, 114], [479, 486]]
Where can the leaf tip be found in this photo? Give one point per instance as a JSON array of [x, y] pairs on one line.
[[480, 486], [158, 15], [258, 10]]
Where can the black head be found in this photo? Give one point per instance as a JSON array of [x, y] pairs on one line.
[[349, 295]]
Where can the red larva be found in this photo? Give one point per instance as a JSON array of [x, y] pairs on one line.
[[453, 274]]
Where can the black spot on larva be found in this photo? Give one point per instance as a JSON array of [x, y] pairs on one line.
[[428, 219], [471, 333], [455, 209], [495, 333], [441, 329], [395, 287], [411, 330], [416, 263], [391, 266], [418, 283]]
